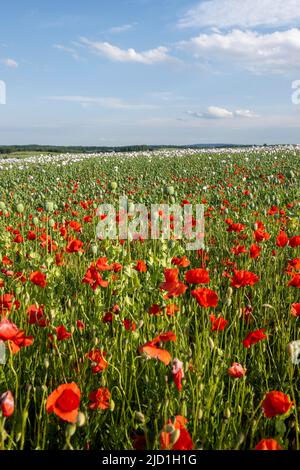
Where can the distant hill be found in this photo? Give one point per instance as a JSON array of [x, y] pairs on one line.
[[7, 149]]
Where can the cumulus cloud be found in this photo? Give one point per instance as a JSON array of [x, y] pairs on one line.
[[10, 63], [115, 53], [242, 13], [215, 112], [274, 52]]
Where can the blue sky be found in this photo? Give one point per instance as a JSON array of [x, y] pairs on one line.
[[117, 72]]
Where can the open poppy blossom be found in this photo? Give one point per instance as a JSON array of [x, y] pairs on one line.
[[243, 278], [99, 399], [254, 337], [295, 310], [197, 276], [268, 444], [205, 297], [152, 350], [64, 402], [172, 285], [276, 403], [38, 278], [99, 363]]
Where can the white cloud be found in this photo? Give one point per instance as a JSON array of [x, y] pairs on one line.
[[105, 102], [121, 29], [150, 57], [242, 13], [215, 112], [275, 52], [246, 113], [10, 63], [69, 50]]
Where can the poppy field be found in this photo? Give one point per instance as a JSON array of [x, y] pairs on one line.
[[121, 344]]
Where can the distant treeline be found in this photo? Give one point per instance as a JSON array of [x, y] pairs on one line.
[[7, 149]]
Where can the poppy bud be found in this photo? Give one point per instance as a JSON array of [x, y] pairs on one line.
[[170, 190], [112, 405], [227, 413], [139, 417], [49, 206], [211, 344], [20, 208], [46, 363], [51, 223], [35, 221], [7, 403], [2, 206], [81, 419], [94, 249], [113, 185]]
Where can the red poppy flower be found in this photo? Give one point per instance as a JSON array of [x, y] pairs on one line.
[[197, 276], [295, 281], [100, 399], [236, 371], [254, 251], [94, 278], [74, 246], [282, 239], [177, 373], [155, 309], [268, 444], [276, 403], [101, 265], [64, 402], [36, 316], [8, 330], [294, 241], [182, 262], [205, 297], [243, 278], [218, 324], [38, 278], [260, 235], [140, 266], [254, 337], [7, 404], [20, 340], [62, 333], [99, 363], [172, 285], [295, 310], [175, 436], [171, 309], [152, 350], [129, 325]]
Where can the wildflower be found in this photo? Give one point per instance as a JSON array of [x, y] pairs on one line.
[[38, 278], [100, 399], [276, 403], [236, 370], [254, 337], [197, 276], [64, 402], [268, 444], [177, 373], [205, 297], [7, 404]]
